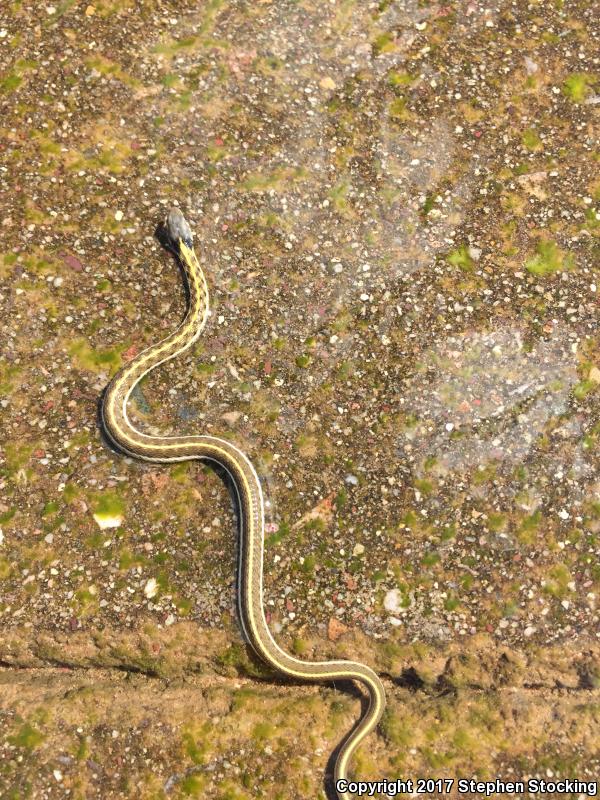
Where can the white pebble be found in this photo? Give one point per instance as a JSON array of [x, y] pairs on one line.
[[391, 602]]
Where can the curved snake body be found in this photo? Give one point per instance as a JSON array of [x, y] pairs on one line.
[[248, 488]]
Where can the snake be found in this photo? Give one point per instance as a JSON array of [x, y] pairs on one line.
[[122, 433]]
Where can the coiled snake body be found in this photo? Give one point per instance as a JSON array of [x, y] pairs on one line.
[[249, 494]]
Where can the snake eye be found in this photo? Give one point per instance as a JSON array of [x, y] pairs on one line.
[[178, 228]]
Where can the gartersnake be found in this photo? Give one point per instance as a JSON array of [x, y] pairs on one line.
[[248, 488]]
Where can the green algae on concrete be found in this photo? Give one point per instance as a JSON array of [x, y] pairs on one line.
[[549, 259], [397, 210]]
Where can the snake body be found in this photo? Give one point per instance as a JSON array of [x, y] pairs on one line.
[[163, 449]]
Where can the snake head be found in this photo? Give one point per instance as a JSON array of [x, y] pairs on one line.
[[178, 229]]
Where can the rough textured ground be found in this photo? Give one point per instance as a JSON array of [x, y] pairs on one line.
[[398, 206]]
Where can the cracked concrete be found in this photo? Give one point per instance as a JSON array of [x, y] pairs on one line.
[[397, 206]]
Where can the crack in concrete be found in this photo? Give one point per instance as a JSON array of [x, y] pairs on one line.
[[403, 681]]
